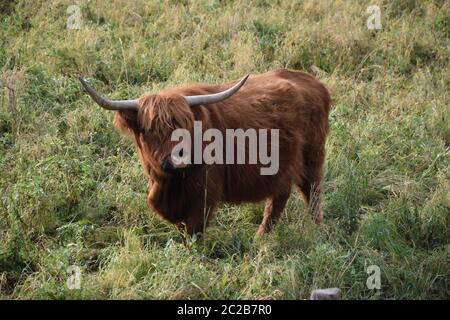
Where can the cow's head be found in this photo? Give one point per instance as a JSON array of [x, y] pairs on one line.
[[152, 119]]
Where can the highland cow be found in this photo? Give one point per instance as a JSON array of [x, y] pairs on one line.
[[293, 102]]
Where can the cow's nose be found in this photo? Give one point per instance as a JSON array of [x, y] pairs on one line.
[[166, 165]]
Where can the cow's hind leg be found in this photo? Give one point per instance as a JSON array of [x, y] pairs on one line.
[[310, 181], [272, 211]]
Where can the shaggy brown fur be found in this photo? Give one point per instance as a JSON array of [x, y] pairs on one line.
[[291, 101]]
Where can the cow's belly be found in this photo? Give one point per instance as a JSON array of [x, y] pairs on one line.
[[247, 185]]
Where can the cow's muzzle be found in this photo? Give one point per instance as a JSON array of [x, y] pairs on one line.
[[168, 166]]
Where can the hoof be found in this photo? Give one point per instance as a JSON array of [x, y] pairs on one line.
[[261, 231], [318, 217]]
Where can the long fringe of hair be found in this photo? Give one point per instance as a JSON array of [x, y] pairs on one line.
[[162, 114]]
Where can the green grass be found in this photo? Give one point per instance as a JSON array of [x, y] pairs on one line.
[[72, 191]]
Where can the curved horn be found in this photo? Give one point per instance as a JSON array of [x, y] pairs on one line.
[[215, 97], [109, 104]]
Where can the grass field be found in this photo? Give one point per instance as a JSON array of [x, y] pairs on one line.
[[73, 193]]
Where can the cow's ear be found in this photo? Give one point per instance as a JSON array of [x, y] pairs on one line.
[[127, 121]]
